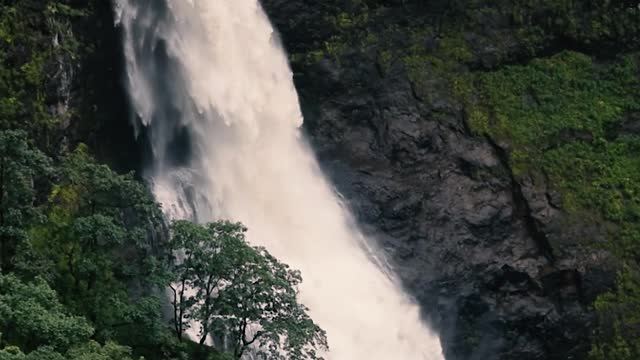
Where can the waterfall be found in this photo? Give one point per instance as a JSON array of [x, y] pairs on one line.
[[211, 85]]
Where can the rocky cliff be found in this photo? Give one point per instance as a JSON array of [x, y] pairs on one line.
[[61, 67], [465, 135]]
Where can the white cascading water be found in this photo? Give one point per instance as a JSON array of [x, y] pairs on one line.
[[211, 72]]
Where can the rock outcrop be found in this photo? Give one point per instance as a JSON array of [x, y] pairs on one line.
[[489, 255]]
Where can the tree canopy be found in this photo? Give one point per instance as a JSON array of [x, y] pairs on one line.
[[85, 267], [33, 321], [99, 237], [22, 165], [241, 295], [31, 316]]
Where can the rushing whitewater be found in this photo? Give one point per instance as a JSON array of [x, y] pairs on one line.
[[211, 85]]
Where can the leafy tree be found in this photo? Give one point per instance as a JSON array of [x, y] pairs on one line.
[[90, 350], [184, 234], [44, 353], [240, 294], [31, 316], [21, 166], [99, 234], [94, 351], [34, 325]]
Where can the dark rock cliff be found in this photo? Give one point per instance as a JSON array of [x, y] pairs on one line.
[[103, 109], [94, 104], [486, 250]]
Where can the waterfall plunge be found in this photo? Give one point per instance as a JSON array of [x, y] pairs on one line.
[[212, 70]]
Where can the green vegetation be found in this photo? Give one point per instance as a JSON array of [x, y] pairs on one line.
[[242, 292], [38, 55], [528, 108], [559, 116], [92, 214], [32, 320], [71, 259], [588, 22], [619, 314], [83, 274], [35, 318], [69, 287], [20, 165]]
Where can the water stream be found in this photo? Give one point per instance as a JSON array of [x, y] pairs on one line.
[[210, 83]]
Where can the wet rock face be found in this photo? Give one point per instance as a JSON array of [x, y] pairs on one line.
[[487, 256]]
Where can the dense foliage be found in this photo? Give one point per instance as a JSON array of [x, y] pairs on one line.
[[20, 166], [84, 271], [72, 257], [242, 292]]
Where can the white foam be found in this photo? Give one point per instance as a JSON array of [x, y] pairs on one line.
[[233, 87]]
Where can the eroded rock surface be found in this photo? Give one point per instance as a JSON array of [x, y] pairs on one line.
[[487, 254]]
